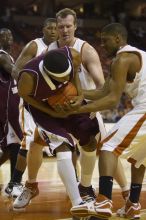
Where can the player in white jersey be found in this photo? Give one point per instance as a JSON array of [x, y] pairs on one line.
[[128, 137], [90, 71], [31, 50]]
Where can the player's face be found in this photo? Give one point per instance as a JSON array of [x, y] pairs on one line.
[[50, 32], [109, 43], [66, 29], [6, 38]]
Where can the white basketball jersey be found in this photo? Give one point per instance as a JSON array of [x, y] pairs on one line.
[[137, 89], [41, 46], [87, 82]]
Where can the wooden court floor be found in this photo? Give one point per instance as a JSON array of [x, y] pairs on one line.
[[53, 202]]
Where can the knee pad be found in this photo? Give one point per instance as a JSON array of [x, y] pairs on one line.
[[67, 155]]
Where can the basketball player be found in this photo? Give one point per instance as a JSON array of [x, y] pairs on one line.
[[43, 76], [31, 50], [93, 65], [10, 132], [128, 137], [90, 73]]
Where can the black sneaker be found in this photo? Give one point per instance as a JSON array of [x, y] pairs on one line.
[[9, 188], [87, 193]]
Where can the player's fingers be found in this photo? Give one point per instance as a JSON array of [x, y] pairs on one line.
[[67, 106], [57, 108]]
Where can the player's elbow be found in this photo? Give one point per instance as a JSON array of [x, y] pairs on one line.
[[113, 102], [21, 93]]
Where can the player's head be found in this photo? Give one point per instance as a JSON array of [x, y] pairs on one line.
[[56, 65], [113, 36], [6, 38], [49, 30], [66, 25]]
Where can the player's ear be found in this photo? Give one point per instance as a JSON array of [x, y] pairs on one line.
[[43, 30], [118, 37], [75, 26]]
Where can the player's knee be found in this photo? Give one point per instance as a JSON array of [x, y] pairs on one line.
[[67, 155], [91, 145]]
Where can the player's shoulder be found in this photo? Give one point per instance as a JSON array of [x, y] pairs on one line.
[[32, 43], [4, 56], [31, 47], [86, 46]]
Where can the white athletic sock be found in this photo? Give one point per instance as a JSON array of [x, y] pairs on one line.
[[68, 177], [87, 161]]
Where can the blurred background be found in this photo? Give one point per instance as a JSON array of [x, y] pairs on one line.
[[25, 19]]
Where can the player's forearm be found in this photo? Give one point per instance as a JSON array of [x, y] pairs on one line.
[[15, 73], [7, 65], [99, 105], [19, 65], [42, 106], [93, 94]]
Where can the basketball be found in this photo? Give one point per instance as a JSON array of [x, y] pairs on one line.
[[63, 95]]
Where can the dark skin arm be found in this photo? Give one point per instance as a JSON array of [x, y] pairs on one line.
[[28, 52], [26, 86], [6, 63], [98, 93], [124, 66]]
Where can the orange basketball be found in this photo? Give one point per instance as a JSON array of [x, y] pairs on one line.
[[63, 95]]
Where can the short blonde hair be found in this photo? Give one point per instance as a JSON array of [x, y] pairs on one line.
[[66, 11]]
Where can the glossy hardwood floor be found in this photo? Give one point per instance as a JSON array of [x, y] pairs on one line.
[[53, 202]]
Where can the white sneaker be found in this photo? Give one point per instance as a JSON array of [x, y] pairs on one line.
[[85, 209], [130, 210], [24, 198], [17, 190], [121, 212]]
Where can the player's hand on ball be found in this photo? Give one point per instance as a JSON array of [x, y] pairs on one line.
[[59, 108], [76, 101]]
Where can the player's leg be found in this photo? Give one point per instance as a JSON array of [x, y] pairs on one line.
[[28, 128], [85, 129], [34, 164], [122, 181], [64, 162], [20, 166], [5, 155], [132, 207], [34, 161], [13, 142], [120, 177], [87, 162]]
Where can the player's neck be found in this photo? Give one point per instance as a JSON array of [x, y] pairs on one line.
[[46, 42], [69, 43], [122, 46], [7, 49]]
